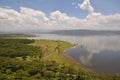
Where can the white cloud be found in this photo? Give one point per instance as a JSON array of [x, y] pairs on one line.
[[24, 20], [29, 19], [33, 13], [63, 19], [97, 20], [86, 6]]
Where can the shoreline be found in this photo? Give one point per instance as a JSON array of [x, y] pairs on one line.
[[70, 58], [66, 56]]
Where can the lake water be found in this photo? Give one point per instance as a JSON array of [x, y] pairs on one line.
[[100, 53]]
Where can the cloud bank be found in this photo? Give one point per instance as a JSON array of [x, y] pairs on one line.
[[30, 19]]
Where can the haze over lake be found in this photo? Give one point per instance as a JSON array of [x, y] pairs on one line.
[[96, 50]]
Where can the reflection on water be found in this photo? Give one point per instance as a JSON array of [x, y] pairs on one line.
[[99, 53]]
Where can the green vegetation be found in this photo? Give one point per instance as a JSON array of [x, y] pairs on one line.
[[15, 36], [22, 59]]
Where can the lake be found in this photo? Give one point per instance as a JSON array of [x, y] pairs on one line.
[[98, 51]]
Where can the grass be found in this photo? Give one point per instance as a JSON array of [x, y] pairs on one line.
[[51, 55], [15, 36]]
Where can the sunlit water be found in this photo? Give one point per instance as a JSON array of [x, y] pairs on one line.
[[100, 53]]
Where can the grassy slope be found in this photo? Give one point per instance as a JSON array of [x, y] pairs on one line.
[[51, 54], [61, 58]]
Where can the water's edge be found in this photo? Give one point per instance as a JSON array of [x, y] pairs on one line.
[[70, 58]]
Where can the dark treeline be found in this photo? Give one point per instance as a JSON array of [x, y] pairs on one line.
[[21, 61]]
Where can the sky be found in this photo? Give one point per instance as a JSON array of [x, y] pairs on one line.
[[16, 15]]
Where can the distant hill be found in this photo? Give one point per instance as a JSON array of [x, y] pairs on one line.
[[85, 32], [77, 32]]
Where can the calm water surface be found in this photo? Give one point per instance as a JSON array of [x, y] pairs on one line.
[[101, 53]]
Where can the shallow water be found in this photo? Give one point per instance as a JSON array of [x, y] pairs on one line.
[[101, 53]]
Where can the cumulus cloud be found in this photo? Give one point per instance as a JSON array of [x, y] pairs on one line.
[[62, 19], [30, 19], [86, 6], [25, 19]]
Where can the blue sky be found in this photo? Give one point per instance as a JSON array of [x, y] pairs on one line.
[[106, 7]]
